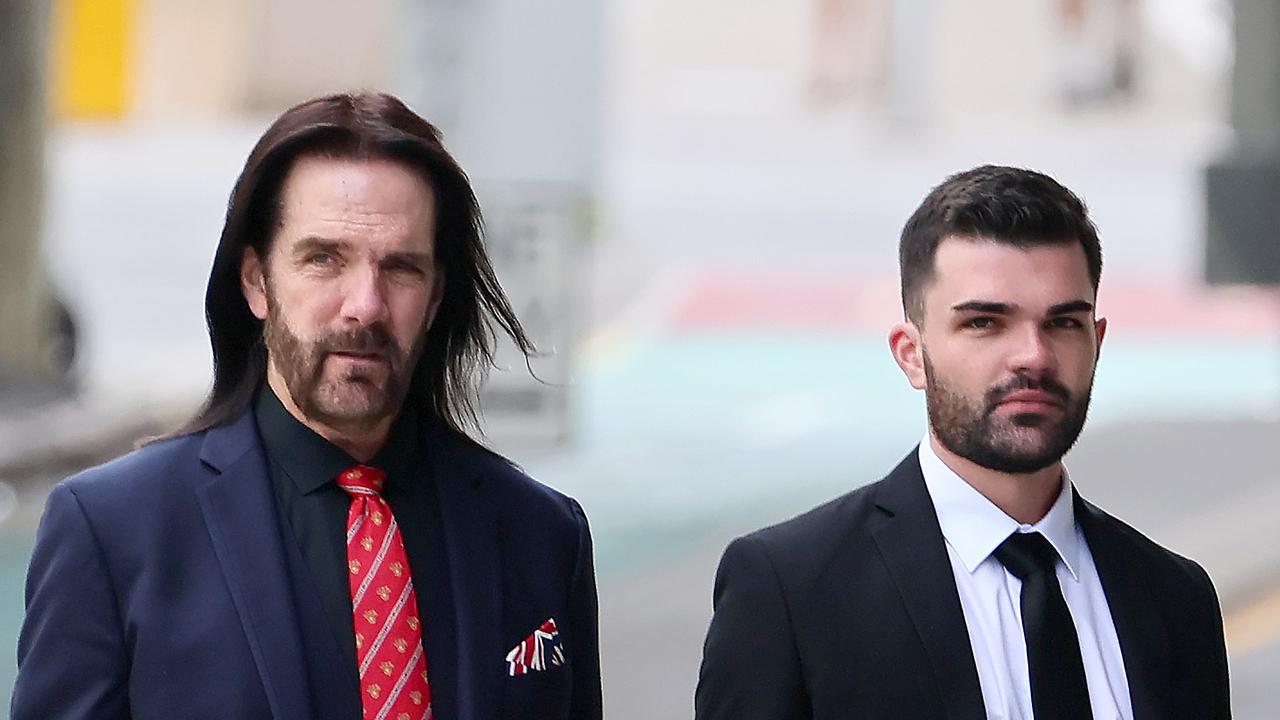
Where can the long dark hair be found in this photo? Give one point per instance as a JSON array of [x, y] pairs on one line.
[[458, 349]]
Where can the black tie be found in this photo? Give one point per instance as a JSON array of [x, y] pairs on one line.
[[1058, 688]]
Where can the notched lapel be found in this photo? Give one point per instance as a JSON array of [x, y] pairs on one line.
[[912, 547], [1144, 639], [239, 509], [470, 525]]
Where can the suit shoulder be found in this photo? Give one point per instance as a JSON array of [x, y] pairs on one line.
[[150, 468], [134, 494], [512, 489], [817, 526], [1148, 552]]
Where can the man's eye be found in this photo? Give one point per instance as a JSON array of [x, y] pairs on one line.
[[1066, 323], [980, 323], [319, 258], [406, 268]]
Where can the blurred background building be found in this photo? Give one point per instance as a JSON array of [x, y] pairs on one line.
[[696, 206]]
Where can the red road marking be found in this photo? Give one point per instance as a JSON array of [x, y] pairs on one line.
[[829, 302]]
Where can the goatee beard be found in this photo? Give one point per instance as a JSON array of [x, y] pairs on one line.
[[351, 399], [972, 430]]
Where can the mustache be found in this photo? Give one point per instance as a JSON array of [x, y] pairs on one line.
[[1026, 382], [365, 340]]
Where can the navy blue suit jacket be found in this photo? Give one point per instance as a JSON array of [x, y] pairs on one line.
[[162, 585]]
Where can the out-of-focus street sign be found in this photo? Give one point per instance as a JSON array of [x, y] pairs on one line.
[[536, 236], [515, 88], [1242, 189]]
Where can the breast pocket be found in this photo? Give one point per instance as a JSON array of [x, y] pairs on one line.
[[539, 694]]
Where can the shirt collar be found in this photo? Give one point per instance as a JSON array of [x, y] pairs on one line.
[[311, 461], [975, 527]]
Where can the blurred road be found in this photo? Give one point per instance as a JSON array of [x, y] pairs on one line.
[[737, 350], [735, 370], [753, 379]]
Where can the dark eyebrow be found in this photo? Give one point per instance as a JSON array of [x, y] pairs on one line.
[[421, 259], [311, 243], [999, 308], [1068, 308], [984, 306]]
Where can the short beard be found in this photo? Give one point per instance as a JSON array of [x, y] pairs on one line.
[[353, 400], [972, 430]]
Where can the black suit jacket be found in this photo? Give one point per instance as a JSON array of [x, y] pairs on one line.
[[851, 611], [163, 586]]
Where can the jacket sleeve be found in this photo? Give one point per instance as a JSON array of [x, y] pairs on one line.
[[1207, 671], [587, 703], [72, 660], [750, 665]]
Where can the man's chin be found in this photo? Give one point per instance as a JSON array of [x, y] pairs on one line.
[[1022, 458], [350, 405]]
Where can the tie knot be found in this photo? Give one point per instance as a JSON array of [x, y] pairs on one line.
[[362, 480], [1024, 554]]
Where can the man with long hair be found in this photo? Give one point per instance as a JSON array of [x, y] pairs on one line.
[[324, 539], [973, 581]]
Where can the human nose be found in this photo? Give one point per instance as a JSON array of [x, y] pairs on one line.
[[364, 301], [1032, 352]]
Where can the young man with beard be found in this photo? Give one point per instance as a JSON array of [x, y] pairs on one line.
[[324, 539], [973, 581]]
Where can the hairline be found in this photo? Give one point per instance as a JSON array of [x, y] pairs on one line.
[[364, 152], [914, 297]]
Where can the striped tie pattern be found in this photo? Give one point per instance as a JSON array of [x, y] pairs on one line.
[[393, 665]]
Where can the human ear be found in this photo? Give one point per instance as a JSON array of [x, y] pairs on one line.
[[908, 352], [253, 283]]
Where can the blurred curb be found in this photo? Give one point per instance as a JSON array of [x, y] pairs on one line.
[[1205, 488], [1237, 541], [1230, 529], [64, 436]]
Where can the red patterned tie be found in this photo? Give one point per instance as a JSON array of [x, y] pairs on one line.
[[393, 665]]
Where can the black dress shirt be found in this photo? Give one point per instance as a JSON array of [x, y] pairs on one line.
[[313, 509]]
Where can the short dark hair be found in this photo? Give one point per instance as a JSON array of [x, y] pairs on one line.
[[1000, 204], [458, 349]]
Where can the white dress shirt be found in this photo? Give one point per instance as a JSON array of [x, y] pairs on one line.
[[989, 595]]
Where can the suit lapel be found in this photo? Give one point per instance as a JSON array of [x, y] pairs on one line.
[[470, 531], [335, 682], [912, 547], [239, 509], [1144, 640]]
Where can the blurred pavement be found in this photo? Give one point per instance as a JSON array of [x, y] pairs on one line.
[[737, 351], [735, 371]]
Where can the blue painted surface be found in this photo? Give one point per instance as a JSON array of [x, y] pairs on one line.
[[14, 553], [735, 430]]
